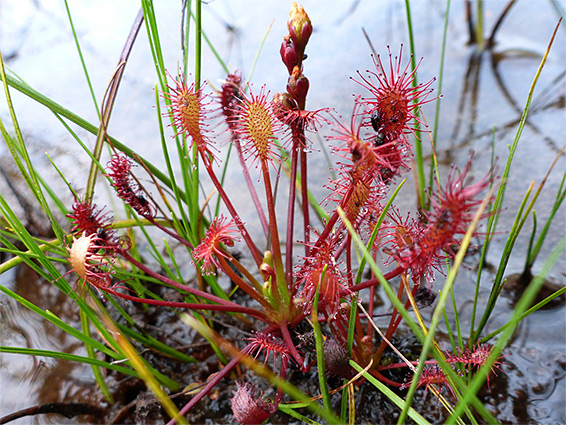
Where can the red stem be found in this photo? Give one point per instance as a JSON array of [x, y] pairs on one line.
[[228, 305], [330, 224], [291, 214], [375, 281], [275, 243], [289, 343], [183, 241], [235, 308], [384, 379]]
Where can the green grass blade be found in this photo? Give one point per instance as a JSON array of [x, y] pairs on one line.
[[560, 195], [69, 357], [198, 43], [440, 80], [419, 160], [285, 408], [19, 151], [83, 63], [531, 310]]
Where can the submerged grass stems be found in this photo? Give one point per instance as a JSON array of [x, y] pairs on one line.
[[302, 309]]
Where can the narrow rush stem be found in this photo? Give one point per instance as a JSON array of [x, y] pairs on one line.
[[230, 307], [291, 213], [275, 243], [168, 281], [245, 234], [340, 331], [358, 327], [349, 260], [242, 284], [251, 187]]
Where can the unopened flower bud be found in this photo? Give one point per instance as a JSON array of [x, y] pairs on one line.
[[298, 86], [282, 104], [266, 267], [300, 26], [289, 54]]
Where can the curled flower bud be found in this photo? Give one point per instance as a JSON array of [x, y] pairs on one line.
[[119, 172], [300, 26], [248, 406], [230, 96]]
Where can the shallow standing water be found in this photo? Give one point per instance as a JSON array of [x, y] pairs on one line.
[[483, 96]]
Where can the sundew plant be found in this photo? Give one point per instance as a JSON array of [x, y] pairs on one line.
[[296, 301]]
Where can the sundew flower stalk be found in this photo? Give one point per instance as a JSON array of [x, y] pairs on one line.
[[280, 287]]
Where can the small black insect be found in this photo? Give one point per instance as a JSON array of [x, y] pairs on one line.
[[424, 297], [379, 139], [102, 233], [444, 218], [376, 120], [142, 200]]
